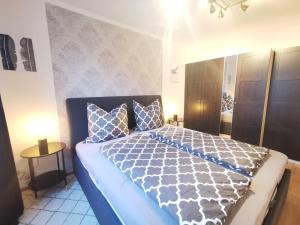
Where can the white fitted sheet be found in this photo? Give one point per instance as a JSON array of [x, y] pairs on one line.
[[126, 198]]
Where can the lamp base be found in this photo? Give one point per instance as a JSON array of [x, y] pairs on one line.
[[43, 146], [175, 117]]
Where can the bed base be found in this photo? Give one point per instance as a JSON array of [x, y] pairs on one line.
[[277, 204], [106, 215], [101, 208]]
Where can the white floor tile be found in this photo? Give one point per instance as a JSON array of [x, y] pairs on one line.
[[73, 219], [76, 195], [72, 184], [54, 204], [90, 212], [81, 207], [89, 220], [58, 218], [41, 218], [77, 186], [67, 206], [83, 198], [64, 193]]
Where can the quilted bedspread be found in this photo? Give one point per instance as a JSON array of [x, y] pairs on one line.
[[192, 190], [238, 156]]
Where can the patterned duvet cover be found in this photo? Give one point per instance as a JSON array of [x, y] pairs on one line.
[[192, 190], [238, 156]]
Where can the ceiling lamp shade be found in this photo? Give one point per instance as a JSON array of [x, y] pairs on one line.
[[212, 8], [221, 14], [244, 7]]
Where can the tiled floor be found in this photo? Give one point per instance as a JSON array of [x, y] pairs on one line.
[[58, 205]]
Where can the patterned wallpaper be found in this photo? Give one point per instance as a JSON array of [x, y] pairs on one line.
[[94, 58]]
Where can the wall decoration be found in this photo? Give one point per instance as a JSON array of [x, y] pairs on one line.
[[27, 54], [17, 53], [8, 52], [95, 58]]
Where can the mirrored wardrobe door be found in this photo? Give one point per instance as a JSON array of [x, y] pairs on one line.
[[228, 90]]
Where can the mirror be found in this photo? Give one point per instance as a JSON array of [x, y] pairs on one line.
[[228, 92]]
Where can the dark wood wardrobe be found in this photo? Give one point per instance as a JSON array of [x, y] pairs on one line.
[[253, 75], [203, 94], [203, 89], [11, 204], [282, 126], [266, 101]]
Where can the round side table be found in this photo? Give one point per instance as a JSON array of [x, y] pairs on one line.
[[49, 178]]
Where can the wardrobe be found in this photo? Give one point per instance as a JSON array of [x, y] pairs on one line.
[[11, 206], [252, 97]]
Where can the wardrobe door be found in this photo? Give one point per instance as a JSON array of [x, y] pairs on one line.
[[203, 89], [253, 75], [283, 115], [192, 101]]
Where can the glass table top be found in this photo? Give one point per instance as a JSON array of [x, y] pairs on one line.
[[33, 152]]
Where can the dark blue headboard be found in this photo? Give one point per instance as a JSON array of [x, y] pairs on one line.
[[76, 108]]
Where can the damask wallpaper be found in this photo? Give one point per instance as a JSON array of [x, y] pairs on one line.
[[94, 58]]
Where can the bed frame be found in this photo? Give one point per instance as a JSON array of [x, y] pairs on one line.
[[76, 108]]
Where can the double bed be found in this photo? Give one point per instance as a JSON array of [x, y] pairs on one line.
[[115, 199]]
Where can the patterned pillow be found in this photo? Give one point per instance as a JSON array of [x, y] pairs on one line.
[[148, 117], [104, 126]]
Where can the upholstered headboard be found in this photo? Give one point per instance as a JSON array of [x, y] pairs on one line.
[[77, 113]]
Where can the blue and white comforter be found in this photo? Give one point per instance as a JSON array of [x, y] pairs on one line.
[[238, 156], [190, 189]]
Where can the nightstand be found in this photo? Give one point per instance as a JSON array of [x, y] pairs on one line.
[[49, 178], [177, 122]]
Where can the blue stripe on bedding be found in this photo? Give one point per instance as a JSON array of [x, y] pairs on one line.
[[237, 156]]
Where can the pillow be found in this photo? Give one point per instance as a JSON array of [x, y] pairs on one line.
[[104, 126], [148, 117]]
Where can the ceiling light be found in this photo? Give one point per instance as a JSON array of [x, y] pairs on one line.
[[212, 8], [223, 5], [244, 7], [221, 14]]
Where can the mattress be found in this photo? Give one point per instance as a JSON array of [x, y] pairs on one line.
[[125, 197]]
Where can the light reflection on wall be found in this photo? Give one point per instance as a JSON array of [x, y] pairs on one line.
[[41, 126], [170, 108]]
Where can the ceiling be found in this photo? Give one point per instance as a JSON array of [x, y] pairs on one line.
[[190, 17], [146, 16]]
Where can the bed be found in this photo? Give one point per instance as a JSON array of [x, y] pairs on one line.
[[114, 198]]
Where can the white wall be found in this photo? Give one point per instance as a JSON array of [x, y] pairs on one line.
[[268, 24], [28, 97]]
